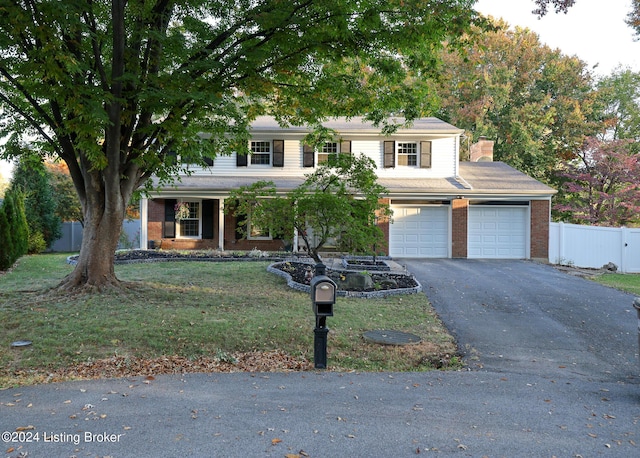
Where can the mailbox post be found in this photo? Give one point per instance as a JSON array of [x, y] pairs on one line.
[[323, 297]]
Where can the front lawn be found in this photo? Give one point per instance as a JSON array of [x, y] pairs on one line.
[[196, 316], [625, 282]]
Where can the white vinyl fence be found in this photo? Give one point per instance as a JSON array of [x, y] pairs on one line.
[[72, 236], [593, 246]]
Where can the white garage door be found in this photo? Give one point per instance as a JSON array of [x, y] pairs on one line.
[[498, 232], [419, 232]]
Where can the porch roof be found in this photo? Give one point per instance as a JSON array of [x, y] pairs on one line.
[[476, 180]]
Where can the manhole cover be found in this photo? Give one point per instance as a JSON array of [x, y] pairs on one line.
[[388, 337]]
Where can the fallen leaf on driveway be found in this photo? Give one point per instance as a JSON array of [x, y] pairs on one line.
[[275, 441], [25, 428]]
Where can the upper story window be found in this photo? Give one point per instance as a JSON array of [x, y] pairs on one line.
[[407, 153], [263, 153], [327, 150], [323, 153], [260, 152]]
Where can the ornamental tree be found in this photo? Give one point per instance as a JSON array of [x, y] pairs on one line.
[[115, 88], [339, 202], [603, 186]]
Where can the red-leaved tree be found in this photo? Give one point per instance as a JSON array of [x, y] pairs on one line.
[[603, 185]]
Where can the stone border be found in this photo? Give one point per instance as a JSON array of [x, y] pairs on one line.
[[73, 262], [381, 259], [360, 294]]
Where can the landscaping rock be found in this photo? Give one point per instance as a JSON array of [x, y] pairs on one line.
[[355, 281]]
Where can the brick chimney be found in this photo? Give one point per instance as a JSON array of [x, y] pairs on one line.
[[482, 150]]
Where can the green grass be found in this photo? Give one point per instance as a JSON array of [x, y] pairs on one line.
[[193, 309], [624, 282]]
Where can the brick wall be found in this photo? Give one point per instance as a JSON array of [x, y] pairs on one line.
[[459, 223], [540, 229], [155, 212], [383, 224]]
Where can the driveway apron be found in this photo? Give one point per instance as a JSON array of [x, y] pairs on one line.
[[527, 317]]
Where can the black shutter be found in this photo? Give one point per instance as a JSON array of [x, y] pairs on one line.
[[308, 154], [171, 158], [425, 155], [241, 160], [207, 218], [389, 154], [278, 153], [208, 161], [345, 147], [169, 223]]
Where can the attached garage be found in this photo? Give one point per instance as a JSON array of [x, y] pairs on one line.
[[419, 231], [498, 232]]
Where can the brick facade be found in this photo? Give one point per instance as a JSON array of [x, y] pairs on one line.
[[540, 214], [539, 231], [383, 224], [459, 224]]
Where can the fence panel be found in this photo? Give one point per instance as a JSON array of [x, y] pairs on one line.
[[593, 246], [71, 239]]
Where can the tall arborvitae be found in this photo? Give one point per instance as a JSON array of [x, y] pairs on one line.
[[6, 247], [21, 226]]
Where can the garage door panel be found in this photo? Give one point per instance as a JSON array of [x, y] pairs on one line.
[[419, 232], [497, 232]]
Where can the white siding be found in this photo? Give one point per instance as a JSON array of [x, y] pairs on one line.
[[444, 159]]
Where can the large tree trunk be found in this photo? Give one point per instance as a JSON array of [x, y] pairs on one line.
[[95, 267]]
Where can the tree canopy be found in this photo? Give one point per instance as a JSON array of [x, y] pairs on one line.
[[604, 185], [113, 88], [534, 102]]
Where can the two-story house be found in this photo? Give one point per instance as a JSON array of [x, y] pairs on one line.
[[442, 208]]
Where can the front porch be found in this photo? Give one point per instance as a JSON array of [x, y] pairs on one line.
[[206, 228]]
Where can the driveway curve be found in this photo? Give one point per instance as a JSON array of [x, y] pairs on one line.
[[530, 318]]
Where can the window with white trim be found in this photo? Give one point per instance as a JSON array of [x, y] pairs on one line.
[[327, 150], [190, 226], [260, 152], [255, 232], [407, 154]]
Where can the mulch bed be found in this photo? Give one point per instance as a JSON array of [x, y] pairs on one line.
[[302, 272]]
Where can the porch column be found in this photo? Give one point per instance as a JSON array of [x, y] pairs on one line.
[[221, 224], [144, 222]]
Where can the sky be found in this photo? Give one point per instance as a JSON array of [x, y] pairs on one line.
[[593, 30]]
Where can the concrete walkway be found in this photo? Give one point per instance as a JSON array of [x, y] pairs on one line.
[[521, 397]]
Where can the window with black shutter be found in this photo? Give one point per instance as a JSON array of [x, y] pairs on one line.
[[389, 154], [169, 223], [425, 155], [241, 160], [308, 154], [278, 153], [208, 212]]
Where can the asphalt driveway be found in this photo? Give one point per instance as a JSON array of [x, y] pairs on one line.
[[527, 317]]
